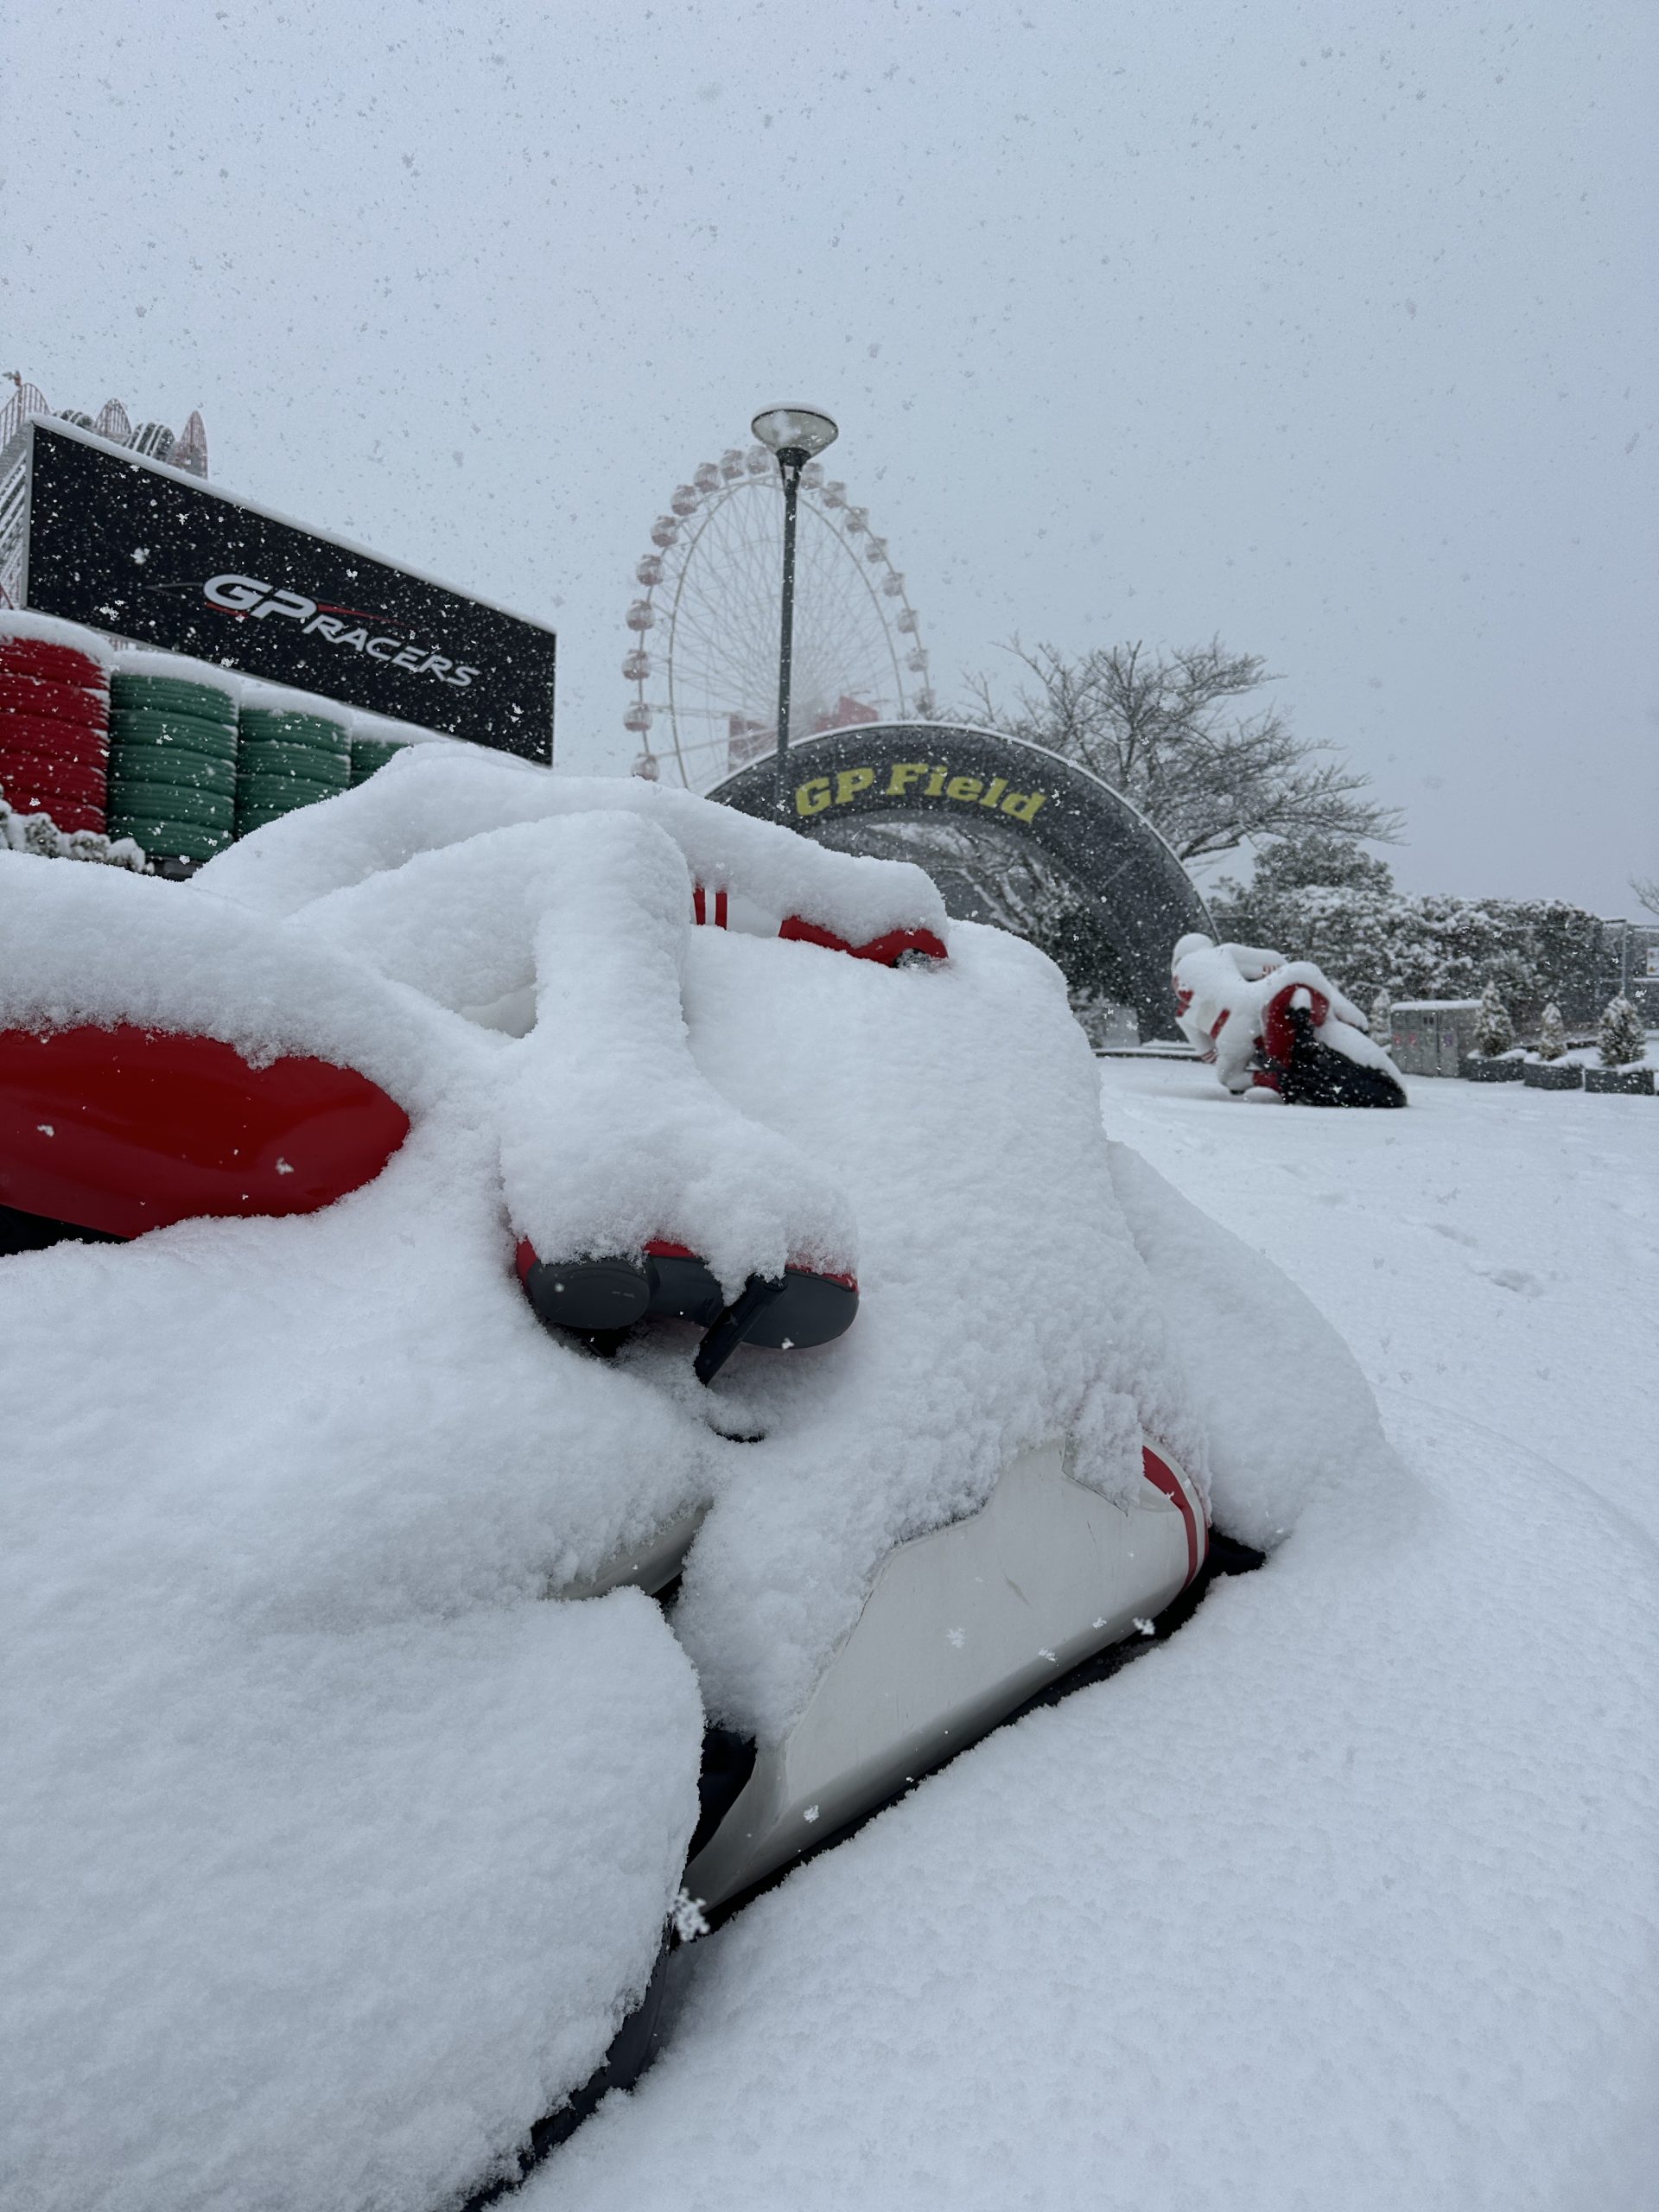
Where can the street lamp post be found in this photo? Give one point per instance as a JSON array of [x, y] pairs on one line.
[[795, 435]]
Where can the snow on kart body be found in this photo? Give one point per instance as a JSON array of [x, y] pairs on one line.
[[1276, 1029], [292, 1555]]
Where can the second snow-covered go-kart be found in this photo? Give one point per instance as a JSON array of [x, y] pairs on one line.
[[1278, 1030], [365, 1503]]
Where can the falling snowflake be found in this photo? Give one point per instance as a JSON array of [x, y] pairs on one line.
[[1147, 1628], [810, 1814], [1045, 1653], [282, 1167], [955, 1637], [46, 1128]]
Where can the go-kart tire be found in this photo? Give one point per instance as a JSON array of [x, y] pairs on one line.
[[66, 814], [131, 797], [248, 819], [84, 742], [52, 663], [255, 788], [24, 774], [172, 766], [170, 841], [246, 825], [370, 754], [56, 703], [190, 733], [314, 762], [262, 725], [24, 761], [170, 695]]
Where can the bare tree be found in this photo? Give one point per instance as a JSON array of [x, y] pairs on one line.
[[1646, 888], [1165, 729]]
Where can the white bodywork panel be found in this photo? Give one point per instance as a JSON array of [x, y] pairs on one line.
[[962, 1625], [648, 1566]]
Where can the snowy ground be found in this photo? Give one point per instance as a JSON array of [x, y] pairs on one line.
[[1345, 1897], [1489, 1256]]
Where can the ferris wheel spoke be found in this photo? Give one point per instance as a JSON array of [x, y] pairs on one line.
[[706, 653]]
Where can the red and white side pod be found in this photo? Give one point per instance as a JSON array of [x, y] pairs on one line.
[[962, 1627]]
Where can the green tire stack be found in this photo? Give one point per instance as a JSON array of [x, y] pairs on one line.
[[288, 759], [370, 754], [172, 764]]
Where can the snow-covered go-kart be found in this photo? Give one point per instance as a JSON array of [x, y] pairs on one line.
[[1278, 1030], [359, 1775]]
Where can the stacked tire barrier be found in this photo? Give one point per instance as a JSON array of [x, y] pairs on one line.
[[179, 756], [291, 756], [370, 754], [172, 758], [55, 710]]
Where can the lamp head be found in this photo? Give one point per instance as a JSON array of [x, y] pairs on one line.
[[794, 433]]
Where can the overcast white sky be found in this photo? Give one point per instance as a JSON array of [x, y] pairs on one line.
[[1329, 329]]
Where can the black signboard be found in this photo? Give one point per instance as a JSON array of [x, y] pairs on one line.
[[125, 545]]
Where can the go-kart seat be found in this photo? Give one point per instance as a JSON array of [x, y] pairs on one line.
[[893, 949]]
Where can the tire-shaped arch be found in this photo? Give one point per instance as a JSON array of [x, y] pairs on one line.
[[1120, 866]]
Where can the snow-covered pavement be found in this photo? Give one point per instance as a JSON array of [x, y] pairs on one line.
[[1344, 1897]]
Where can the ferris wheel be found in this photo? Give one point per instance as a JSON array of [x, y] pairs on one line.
[[704, 661]]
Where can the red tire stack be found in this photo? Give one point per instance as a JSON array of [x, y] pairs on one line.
[[54, 727]]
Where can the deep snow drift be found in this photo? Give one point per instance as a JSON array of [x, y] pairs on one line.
[[1347, 1894], [343, 1841], [344, 1844]]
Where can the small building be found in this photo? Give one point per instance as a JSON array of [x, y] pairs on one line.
[[1432, 1036], [1635, 946]]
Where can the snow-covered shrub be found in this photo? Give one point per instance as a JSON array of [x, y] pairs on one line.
[[1552, 1032], [39, 834], [1622, 1036], [1494, 1031], [1103, 1019], [1381, 1022], [108, 852], [14, 828]]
